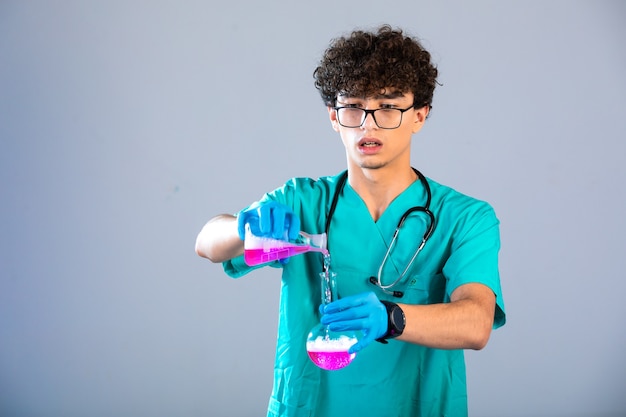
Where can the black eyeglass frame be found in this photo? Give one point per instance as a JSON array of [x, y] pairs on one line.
[[373, 113]]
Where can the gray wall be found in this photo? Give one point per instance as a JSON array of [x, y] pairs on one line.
[[125, 125]]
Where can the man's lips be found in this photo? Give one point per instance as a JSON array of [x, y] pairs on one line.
[[369, 143], [369, 146]]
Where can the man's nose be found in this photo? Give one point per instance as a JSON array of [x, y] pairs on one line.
[[369, 122]]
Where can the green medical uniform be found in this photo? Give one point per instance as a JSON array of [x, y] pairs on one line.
[[397, 379]]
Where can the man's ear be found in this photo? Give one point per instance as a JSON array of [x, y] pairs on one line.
[[332, 115], [420, 118]]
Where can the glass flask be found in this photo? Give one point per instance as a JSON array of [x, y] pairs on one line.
[[329, 349], [259, 250]]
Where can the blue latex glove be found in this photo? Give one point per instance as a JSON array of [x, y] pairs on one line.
[[362, 312], [269, 219]]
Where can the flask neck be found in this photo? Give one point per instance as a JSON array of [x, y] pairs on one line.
[[316, 241]]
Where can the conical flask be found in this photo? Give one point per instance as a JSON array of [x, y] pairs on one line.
[[259, 250], [329, 349]]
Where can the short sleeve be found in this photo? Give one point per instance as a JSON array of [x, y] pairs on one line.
[[474, 254]]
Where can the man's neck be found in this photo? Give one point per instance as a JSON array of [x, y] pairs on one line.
[[379, 187]]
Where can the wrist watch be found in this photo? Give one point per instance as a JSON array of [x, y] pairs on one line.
[[395, 321]]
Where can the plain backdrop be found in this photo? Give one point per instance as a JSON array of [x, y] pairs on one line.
[[125, 125]]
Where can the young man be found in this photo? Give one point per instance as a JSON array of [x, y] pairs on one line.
[[419, 297]]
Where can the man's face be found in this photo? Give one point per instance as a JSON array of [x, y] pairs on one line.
[[369, 145]]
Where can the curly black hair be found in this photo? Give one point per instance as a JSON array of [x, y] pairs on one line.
[[364, 64]]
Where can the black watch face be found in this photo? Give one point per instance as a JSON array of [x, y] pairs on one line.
[[397, 319]]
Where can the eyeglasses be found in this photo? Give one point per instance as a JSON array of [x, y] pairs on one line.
[[352, 117]]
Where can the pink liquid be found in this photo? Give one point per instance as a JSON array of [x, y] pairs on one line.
[[331, 360], [260, 256]]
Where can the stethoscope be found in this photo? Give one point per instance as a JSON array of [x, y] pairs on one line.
[[388, 289]]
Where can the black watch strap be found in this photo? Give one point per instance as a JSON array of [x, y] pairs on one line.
[[395, 321]]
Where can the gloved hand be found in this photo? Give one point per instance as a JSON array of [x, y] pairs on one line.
[[269, 219], [362, 312]]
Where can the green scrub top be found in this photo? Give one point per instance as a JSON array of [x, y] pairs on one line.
[[396, 379]]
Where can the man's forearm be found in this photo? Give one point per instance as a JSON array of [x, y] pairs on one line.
[[219, 239], [464, 323]]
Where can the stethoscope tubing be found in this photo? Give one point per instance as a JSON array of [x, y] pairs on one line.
[[429, 231]]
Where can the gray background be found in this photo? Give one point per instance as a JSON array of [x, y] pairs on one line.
[[126, 125]]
